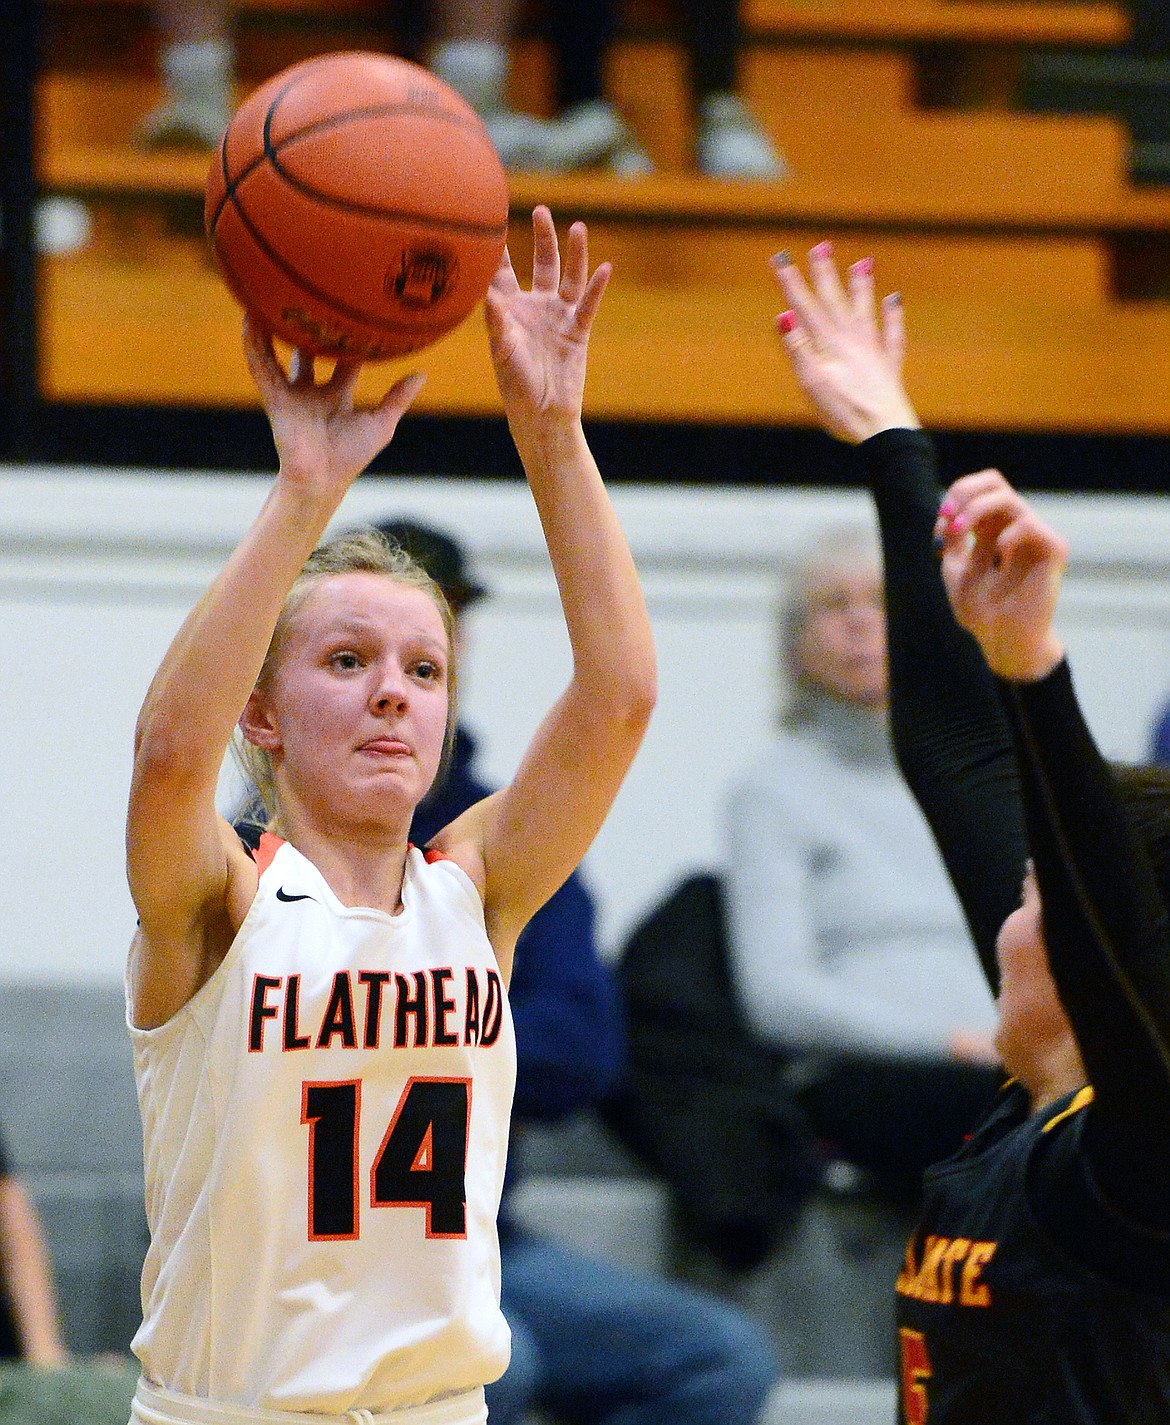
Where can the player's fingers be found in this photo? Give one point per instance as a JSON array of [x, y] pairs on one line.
[[394, 404], [966, 487], [505, 279], [575, 272], [987, 515], [546, 258], [805, 358], [300, 368], [826, 280], [893, 329], [591, 298], [260, 355], [801, 299], [1028, 537], [956, 498], [342, 381], [859, 279]]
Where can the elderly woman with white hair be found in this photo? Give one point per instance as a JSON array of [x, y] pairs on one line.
[[848, 950]]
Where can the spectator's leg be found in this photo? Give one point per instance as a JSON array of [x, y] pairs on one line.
[[196, 63], [590, 130], [628, 1348], [471, 49], [729, 141]]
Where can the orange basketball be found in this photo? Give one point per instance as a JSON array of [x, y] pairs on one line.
[[356, 206]]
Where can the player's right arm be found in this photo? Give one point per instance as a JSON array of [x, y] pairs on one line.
[[952, 740], [191, 880]]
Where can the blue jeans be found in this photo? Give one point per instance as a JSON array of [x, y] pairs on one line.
[[600, 1345]]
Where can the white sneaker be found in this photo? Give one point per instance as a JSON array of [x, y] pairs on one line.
[[731, 144], [183, 123], [198, 96], [521, 140], [593, 134]]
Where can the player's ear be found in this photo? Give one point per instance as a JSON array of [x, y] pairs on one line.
[[257, 723]]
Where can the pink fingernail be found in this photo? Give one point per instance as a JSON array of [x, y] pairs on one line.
[[786, 321], [822, 249], [864, 266], [946, 509]]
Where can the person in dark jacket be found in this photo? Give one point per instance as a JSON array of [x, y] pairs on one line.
[[591, 1341]]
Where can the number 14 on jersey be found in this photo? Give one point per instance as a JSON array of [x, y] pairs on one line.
[[420, 1163]]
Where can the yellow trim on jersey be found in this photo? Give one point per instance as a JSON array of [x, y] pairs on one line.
[[1081, 1100]]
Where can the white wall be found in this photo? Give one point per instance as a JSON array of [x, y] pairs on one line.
[[98, 569]]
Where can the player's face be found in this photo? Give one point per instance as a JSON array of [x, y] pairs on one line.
[[358, 701], [1031, 1017], [842, 643]]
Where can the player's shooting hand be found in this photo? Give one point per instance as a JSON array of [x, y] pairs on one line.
[[539, 339], [1002, 567], [847, 360], [323, 441]]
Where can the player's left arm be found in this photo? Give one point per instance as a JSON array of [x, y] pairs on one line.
[[1106, 926], [1108, 938], [534, 832]]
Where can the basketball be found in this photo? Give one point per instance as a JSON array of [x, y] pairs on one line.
[[356, 206]]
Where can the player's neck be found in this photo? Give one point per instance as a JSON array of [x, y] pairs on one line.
[[362, 866], [1053, 1072]]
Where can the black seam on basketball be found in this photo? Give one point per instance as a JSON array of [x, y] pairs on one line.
[[369, 111], [270, 151], [226, 183], [446, 225], [231, 184], [383, 323]]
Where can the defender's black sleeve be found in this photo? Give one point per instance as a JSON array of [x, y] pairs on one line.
[[951, 737], [1108, 937]]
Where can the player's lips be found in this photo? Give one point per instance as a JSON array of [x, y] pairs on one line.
[[385, 747]]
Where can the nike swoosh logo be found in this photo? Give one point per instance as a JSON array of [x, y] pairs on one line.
[[282, 895]]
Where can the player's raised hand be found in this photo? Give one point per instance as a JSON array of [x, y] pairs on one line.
[[539, 338], [847, 359], [323, 440], [1002, 567]]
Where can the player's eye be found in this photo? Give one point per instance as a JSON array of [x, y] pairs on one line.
[[427, 670], [345, 660]]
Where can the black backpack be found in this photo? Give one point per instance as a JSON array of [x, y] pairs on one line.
[[704, 1105]]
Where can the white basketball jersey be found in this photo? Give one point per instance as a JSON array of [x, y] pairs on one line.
[[325, 1129]]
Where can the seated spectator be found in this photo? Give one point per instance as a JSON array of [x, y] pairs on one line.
[[591, 1341], [848, 948], [29, 1325]]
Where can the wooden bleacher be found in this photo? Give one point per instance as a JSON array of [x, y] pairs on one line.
[[1027, 259]]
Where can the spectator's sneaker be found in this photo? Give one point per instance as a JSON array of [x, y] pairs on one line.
[[731, 144], [521, 140], [592, 135], [183, 123], [199, 96]]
